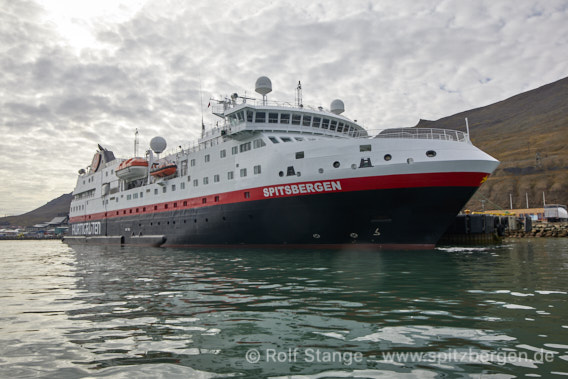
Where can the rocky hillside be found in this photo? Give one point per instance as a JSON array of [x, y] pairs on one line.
[[54, 208], [528, 133]]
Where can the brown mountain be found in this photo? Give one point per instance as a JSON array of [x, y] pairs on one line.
[[528, 133], [54, 208]]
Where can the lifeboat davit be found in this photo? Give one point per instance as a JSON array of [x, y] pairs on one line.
[[164, 170], [132, 169]]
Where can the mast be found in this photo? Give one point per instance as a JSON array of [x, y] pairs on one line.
[[136, 143]]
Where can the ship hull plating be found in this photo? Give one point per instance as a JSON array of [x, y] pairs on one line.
[[402, 217]]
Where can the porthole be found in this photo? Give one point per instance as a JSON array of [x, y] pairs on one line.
[[431, 153], [320, 170], [336, 164], [388, 157], [281, 173], [353, 166]]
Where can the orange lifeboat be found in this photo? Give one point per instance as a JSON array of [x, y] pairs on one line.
[[132, 169], [164, 170]]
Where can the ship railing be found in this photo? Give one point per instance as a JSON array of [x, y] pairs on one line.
[[224, 105], [424, 133]]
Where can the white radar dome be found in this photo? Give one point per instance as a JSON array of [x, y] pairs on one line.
[[263, 85], [158, 144], [337, 106]]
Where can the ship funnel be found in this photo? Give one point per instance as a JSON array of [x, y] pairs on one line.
[[337, 106]]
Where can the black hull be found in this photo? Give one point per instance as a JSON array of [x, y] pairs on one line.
[[409, 217]]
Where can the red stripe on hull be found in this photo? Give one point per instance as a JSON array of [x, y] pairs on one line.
[[445, 179]]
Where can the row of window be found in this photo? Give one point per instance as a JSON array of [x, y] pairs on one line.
[[255, 144], [257, 170], [174, 204], [84, 195], [286, 118]]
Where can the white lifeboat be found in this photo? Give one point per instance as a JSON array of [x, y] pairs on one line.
[[132, 169]]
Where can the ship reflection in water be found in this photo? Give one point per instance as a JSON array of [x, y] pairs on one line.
[[100, 311]]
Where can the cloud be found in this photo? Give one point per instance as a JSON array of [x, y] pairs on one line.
[[73, 77]]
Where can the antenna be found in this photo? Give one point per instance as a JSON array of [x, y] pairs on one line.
[[299, 95], [201, 96], [136, 143]]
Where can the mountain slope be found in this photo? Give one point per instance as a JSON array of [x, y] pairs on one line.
[[54, 208], [528, 133]]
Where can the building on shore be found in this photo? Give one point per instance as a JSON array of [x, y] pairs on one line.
[[550, 213]]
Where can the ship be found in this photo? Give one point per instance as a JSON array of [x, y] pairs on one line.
[[271, 173]]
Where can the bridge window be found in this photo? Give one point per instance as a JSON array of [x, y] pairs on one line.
[[307, 120], [273, 139], [240, 116], [273, 118], [286, 139], [260, 117], [285, 118], [340, 127], [332, 125], [250, 115], [325, 124], [296, 119], [316, 123]]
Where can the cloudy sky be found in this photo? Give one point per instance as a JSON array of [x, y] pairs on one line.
[[75, 73]]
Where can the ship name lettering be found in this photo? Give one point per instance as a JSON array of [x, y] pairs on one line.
[[86, 229], [294, 189]]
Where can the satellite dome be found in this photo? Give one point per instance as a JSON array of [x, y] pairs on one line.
[[158, 144], [263, 85], [337, 106]]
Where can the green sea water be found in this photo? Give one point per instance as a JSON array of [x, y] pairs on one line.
[[91, 311]]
